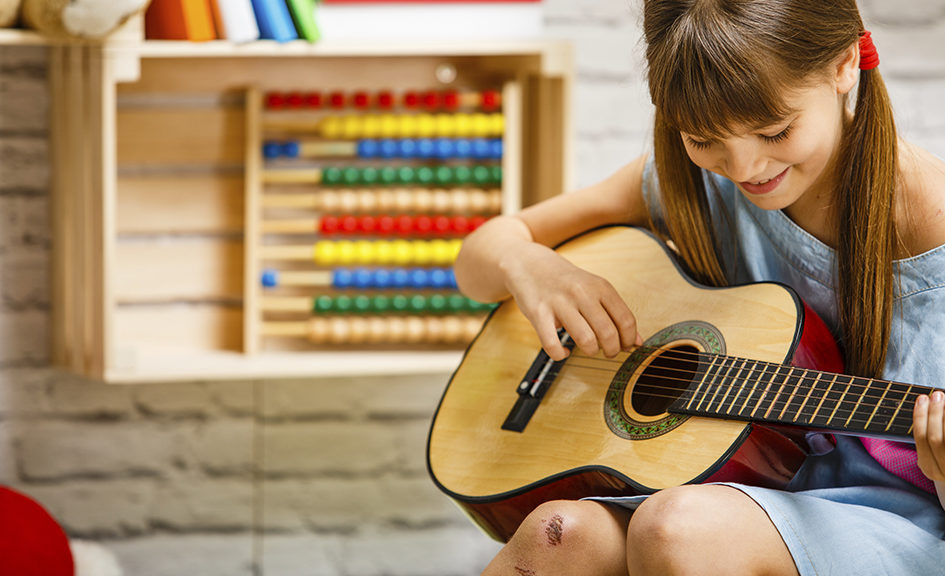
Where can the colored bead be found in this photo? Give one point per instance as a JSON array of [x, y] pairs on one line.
[[497, 148], [383, 252], [443, 148], [417, 303], [406, 175], [331, 127], [404, 225], [431, 100], [368, 148], [451, 100], [369, 176], [348, 224], [385, 224], [294, 100], [272, 149], [422, 253], [481, 175], [495, 174], [325, 253], [388, 175], [270, 278], [380, 303], [361, 304], [382, 278], [351, 176], [409, 126], [443, 175], [425, 175], [388, 148], [423, 224], [476, 222], [426, 125], [347, 252], [313, 100], [425, 148], [367, 224], [407, 148], [439, 278], [419, 278], [462, 175], [440, 224], [331, 176], [274, 100], [324, 304], [459, 224], [481, 149], [456, 302], [446, 125], [365, 252], [463, 148], [352, 127], [490, 100], [411, 99], [400, 278], [361, 100], [363, 278], [336, 99], [371, 127], [385, 100], [437, 303], [341, 278], [343, 303], [399, 303], [452, 279]]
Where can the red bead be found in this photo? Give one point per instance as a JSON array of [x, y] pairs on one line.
[[367, 224], [329, 224], [404, 224], [337, 99], [313, 100], [295, 100], [451, 100], [431, 100], [490, 99], [441, 224], [385, 100], [411, 99], [459, 224], [362, 100], [476, 222], [423, 224], [275, 100], [349, 224], [385, 224]]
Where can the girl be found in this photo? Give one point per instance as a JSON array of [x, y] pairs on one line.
[[761, 171]]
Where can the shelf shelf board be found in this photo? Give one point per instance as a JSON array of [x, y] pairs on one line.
[[174, 365], [16, 36]]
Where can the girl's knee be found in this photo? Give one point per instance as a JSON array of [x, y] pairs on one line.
[[558, 524], [667, 524]]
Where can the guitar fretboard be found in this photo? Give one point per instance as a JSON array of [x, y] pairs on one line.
[[742, 389]]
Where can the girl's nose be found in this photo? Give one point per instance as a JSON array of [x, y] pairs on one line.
[[743, 162]]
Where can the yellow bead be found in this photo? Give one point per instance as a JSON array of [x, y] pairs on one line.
[[422, 253], [389, 126], [481, 125], [463, 126], [365, 252], [371, 127], [331, 127], [496, 125], [455, 246], [403, 252], [442, 253], [326, 253], [347, 254], [352, 127], [426, 126], [445, 125], [384, 252], [409, 127]]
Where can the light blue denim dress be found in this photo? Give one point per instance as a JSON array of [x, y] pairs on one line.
[[843, 514]]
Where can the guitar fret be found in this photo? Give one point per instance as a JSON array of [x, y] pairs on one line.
[[701, 382], [905, 396], [777, 395], [714, 386], [793, 386], [764, 393], [878, 404], [839, 402], [732, 383], [743, 386], [859, 399], [807, 396], [823, 398], [751, 391]]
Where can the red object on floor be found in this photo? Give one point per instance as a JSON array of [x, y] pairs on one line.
[[31, 541]]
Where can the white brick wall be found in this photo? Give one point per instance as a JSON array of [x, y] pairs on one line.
[[163, 474]]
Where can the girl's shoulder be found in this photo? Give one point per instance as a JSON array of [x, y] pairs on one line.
[[920, 218]]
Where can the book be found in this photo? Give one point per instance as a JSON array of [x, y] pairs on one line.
[[303, 14], [179, 20], [235, 20], [274, 20], [430, 19]]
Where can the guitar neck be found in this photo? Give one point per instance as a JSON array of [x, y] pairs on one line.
[[742, 389]]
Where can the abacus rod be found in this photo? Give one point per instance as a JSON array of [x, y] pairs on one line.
[[462, 200]]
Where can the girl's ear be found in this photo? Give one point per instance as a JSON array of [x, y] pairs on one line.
[[848, 69]]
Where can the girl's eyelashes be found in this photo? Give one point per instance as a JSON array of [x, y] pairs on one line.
[[779, 137], [697, 144]]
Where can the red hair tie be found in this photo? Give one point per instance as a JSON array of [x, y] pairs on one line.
[[869, 59]]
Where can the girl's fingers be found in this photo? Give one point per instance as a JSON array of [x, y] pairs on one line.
[[920, 420], [624, 321], [935, 433], [547, 332]]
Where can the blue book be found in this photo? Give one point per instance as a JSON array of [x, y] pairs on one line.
[[274, 20]]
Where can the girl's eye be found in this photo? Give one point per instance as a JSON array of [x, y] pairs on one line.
[[779, 137], [697, 144]]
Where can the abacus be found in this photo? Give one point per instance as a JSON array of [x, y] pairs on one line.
[[265, 211], [359, 208]]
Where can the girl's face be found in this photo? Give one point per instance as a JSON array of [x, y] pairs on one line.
[[777, 164]]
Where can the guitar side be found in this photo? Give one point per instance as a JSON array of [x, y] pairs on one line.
[[573, 445]]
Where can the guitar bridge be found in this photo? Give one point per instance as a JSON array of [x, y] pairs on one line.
[[539, 378]]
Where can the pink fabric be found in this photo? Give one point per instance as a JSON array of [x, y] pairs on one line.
[[900, 459]]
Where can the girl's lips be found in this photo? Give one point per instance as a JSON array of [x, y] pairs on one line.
[[766, 187]]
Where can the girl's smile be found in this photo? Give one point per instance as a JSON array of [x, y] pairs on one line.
[[764, 186]]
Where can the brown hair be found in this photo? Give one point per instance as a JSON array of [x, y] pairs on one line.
[[714, 64]]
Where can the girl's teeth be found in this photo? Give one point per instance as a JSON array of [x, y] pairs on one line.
[[762, 182]]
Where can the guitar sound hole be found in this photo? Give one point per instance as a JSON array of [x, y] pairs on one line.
[[664, 380]]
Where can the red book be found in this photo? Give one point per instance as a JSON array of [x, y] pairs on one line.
[[179, 20]]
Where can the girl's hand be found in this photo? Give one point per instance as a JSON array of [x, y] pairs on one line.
[[553, 293], [928, 429]]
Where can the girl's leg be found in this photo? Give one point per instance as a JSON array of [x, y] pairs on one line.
[[706, 530], [566, 537]]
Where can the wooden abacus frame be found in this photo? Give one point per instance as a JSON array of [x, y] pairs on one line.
[[151, 276]]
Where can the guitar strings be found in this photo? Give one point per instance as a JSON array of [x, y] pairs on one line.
[[904, 407]]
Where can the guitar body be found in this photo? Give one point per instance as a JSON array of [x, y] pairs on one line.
[[590, 435]]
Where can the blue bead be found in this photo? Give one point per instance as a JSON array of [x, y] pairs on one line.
[[439, 278], [425, 148], [407, 148], [342, 278], [272, 149], [400, 278], [388, 148], [419, 278], [452, 278], [481, 149], [443, 148], [363, 278], [270, 278], [497, 149], [382, 278], [367, 148], [291, 149], [463, 148]]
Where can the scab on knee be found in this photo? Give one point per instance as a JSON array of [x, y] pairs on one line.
[[521, 571], [554, 529]]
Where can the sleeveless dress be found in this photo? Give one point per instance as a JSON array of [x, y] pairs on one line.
[[843, 513]]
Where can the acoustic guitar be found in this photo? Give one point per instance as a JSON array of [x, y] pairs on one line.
[[726, 383]]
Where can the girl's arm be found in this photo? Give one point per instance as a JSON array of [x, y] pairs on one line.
[[511, 255]]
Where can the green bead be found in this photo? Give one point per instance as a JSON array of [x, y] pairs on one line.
[[456, 302], [418, 303], [331, 176], [399, 303], [481, 175], [369, 175], [406, 175], [443, 175], [324, 304], [381, 303], [462, 175], [362, 304], [495, 172], [343, 304], [425, 175], [475, 306], [351, 176], [389, 175], [437, 303]]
